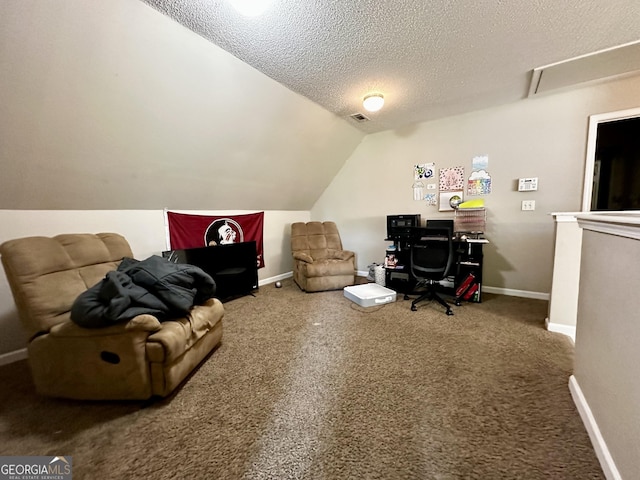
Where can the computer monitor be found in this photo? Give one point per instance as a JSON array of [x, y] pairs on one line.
[[441, 223]]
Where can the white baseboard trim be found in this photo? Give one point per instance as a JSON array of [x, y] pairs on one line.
[[267, 281], [599, 445], [568, 330], [516, 293], [7, 358], [500, 291]]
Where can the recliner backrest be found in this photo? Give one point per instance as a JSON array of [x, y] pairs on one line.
[[315, 238], [46, 274]]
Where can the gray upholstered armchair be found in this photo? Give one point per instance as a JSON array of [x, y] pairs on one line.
[[319, 261]]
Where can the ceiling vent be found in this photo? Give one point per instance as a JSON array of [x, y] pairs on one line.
[[358, 117], [605, 64]]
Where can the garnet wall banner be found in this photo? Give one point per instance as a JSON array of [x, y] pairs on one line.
[[193, 231]]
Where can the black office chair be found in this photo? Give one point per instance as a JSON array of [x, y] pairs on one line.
[[432, 255]]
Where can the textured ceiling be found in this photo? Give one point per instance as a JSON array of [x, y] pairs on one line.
[[430, 59]]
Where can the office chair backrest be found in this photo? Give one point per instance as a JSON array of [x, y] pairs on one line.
[[432, 253]]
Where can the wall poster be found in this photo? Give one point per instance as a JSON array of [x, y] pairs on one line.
[[479, 182], [424, 171], [451, 179], [430, 199]]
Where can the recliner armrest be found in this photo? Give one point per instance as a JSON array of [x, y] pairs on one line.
[[303, 257], [141, 323], [144, 322], [340, 254]]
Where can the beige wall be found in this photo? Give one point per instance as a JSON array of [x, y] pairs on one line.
[[112, 105], [607, 354], [543, 137], [145, 231]]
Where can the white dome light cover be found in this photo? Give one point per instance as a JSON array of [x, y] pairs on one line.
[[373, 102], [250, 8]]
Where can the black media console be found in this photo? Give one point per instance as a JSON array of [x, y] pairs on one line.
[[234, 267]]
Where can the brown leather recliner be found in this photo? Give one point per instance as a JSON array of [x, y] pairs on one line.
[[135, 359], [319, 262]]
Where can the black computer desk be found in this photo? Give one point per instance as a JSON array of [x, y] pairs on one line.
[[465, 279]]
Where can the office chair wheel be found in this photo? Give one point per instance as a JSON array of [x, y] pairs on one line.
[[406, 297], [458, 303], [414, 308], [449, 312]]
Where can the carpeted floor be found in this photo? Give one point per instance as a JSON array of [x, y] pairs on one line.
[[312, 386]]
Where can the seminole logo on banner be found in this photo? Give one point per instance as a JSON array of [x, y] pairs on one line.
[[193, 231]]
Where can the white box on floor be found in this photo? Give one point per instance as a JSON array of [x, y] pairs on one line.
[[369, 294]]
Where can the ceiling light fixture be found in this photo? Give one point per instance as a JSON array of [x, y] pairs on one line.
[[373, 102], [250, 8]]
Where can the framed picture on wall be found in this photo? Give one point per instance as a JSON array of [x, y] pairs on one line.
[[448, 199]]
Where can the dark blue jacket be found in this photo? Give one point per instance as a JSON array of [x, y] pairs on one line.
[[154, 286]]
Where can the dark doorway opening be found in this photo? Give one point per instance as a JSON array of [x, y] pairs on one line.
[[616, 175]]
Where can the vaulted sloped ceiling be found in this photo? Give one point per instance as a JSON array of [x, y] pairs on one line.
[[112, 105], [429, 58]]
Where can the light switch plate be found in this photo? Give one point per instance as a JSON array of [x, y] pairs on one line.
[[528, 205]]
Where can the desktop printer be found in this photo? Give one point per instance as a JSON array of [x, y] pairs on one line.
[[399, 226]]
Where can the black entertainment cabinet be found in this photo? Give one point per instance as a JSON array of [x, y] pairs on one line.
[[234, 267]]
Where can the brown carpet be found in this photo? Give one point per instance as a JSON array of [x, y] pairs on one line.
[[312, 386]]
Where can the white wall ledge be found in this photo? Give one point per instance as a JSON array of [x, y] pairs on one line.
[[573, 216], [623, 224], [565, 216]]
